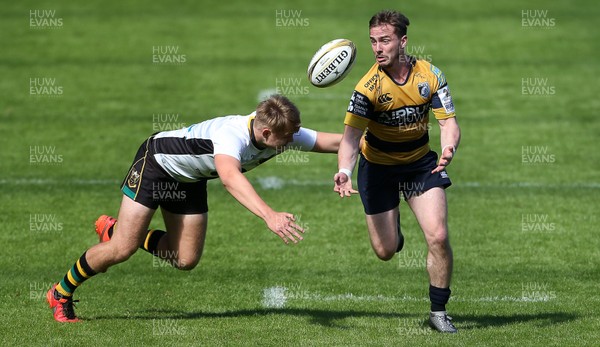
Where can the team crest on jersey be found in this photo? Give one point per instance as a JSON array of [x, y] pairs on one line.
[[424, 89], [133, 180]]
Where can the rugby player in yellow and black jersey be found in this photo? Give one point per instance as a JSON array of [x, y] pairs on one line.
[[389, 111]]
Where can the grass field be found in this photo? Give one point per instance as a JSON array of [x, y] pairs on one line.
[[84, 83]]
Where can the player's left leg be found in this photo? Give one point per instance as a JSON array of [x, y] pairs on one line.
[[183, 243], [430, 209]]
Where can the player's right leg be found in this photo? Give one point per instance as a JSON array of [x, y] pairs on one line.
[[134, 219], [181, 244], [383, 232], [185, 220], [379, 193]]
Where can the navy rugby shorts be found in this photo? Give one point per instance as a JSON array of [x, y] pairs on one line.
[[380, 186]]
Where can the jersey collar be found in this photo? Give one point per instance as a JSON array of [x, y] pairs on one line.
[[251, 132], [411, 62]]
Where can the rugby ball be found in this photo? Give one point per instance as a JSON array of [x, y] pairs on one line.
[[331, 63]]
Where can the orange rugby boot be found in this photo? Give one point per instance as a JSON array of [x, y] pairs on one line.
[[62, 307], [103, 223]]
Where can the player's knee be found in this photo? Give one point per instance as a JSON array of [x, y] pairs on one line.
[[123, 252], [438, 239], [186, 264], [384, 253]]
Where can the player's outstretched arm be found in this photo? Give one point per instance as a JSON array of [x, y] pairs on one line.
[[327, 142], [449, 140], [281, 223], [347, 155]]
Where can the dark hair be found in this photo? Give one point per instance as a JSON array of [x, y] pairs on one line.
[[278, 113], [393, 18]]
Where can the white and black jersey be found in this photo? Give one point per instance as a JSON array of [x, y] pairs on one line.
[[188, 154]]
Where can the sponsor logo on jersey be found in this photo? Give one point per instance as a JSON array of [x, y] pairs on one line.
[[359, 104], [371, 82], [404, 116], [385, 98], [446, 99]]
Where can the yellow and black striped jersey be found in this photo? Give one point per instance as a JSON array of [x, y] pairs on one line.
[[396, 116]]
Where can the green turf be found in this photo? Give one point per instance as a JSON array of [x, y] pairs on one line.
[[522, 227]]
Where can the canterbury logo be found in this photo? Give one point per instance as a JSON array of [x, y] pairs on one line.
[[385, 98]]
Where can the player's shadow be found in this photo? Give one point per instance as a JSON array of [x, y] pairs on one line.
[[331, 318], [476, 321], [327, 318]]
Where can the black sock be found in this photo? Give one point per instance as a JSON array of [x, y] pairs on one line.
[[150, 244], [439, 298], [110, 230]]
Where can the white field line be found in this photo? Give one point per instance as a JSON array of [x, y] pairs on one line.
[[52, 182], [313, 93], [274, 182], [278, 296]]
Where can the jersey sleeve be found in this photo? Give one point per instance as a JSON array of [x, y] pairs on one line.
[[360, 110], [441, 100], [304, 140]]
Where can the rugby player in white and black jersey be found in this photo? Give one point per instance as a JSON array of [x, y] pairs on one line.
[[170, 171]]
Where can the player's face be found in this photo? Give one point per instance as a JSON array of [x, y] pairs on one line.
[[276, 140], [386, 45]]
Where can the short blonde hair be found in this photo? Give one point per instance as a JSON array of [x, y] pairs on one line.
[[279, 114]]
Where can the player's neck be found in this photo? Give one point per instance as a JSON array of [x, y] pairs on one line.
[[256, 137], [400, 71]]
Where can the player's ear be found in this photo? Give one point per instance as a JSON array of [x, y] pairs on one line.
[[403, 41], [266, 132]]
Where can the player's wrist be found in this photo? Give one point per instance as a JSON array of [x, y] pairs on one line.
[[347, 172], [449, 146]]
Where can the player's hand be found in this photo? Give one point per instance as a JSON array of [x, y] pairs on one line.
[[343, 185], [445, 159], [283, 225]]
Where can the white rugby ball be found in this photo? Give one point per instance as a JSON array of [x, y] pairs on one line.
[[331, 63]]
